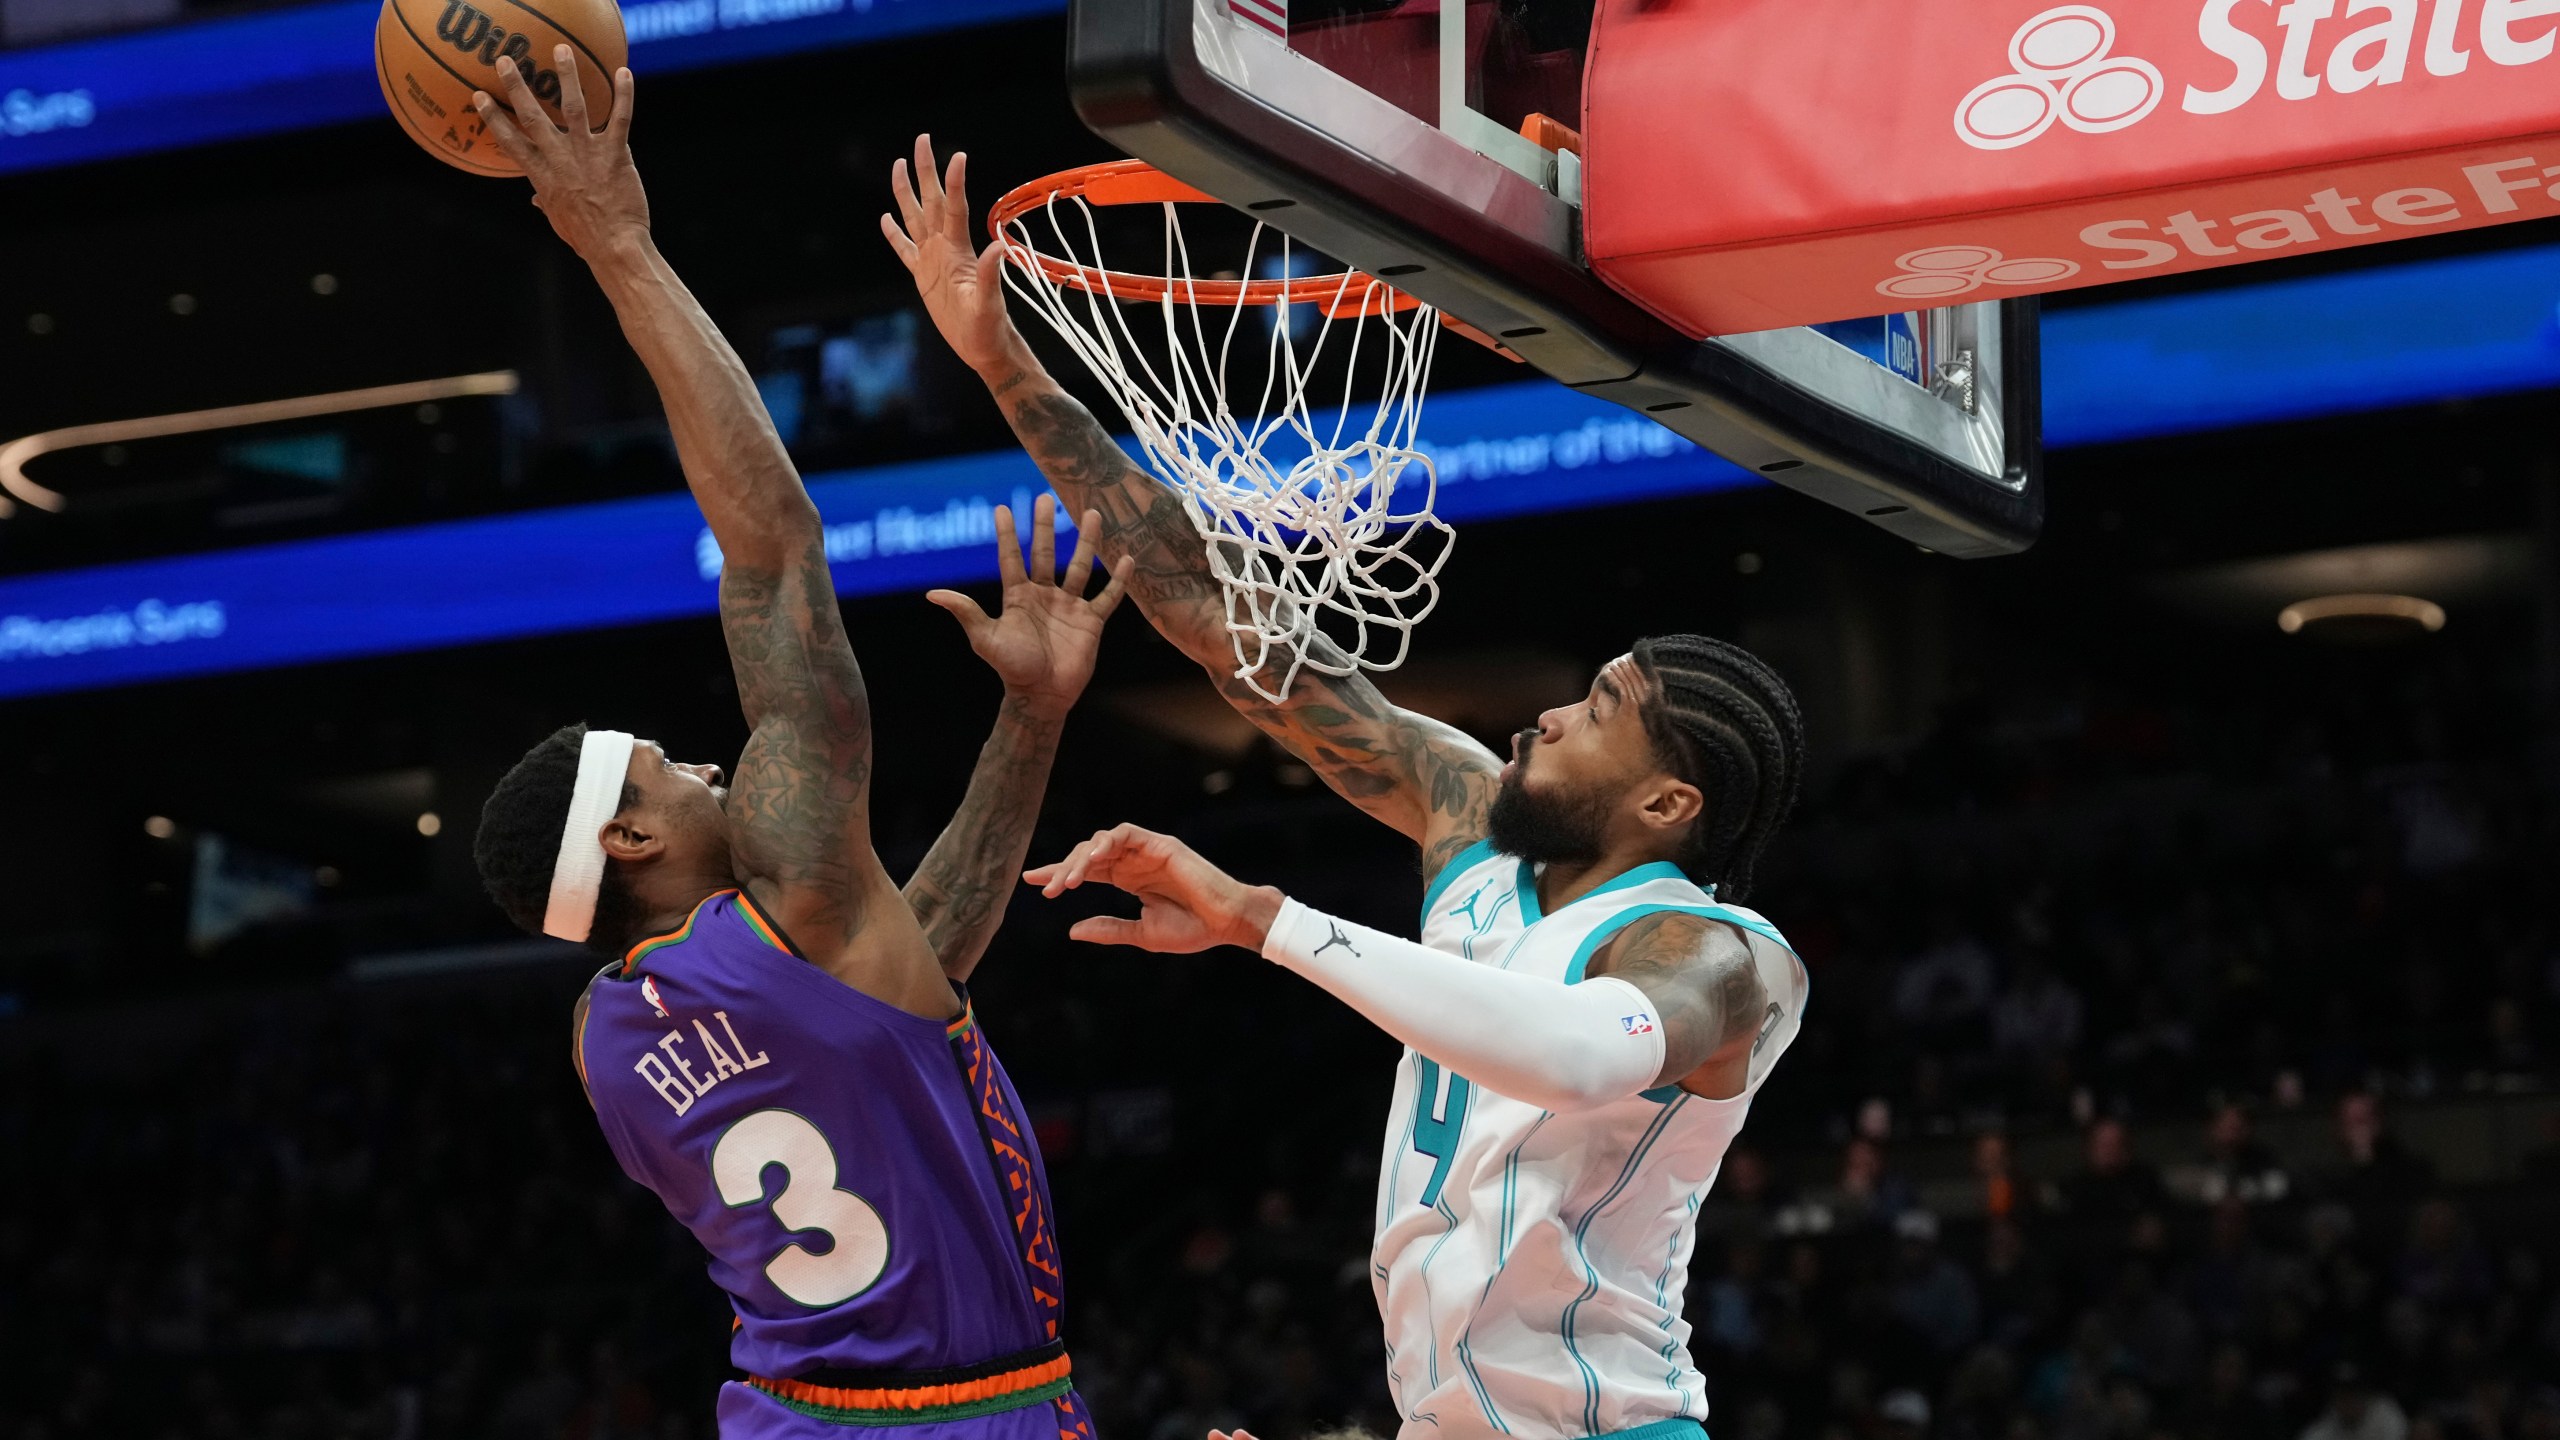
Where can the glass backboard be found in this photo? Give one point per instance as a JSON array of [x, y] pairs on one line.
[[1432, 143]]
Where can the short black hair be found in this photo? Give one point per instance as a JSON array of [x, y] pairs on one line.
[[519, 841], [1722, 720]]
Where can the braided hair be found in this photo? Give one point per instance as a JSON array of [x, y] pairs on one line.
[[518, 844], [1725, 722]]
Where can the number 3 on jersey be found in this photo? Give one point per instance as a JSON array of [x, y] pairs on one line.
[[1436, 1134], [809, 1201]]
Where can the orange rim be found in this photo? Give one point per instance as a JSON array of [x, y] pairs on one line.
[[1135, 182]]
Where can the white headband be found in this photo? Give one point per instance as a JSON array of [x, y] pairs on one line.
[[604, 764]]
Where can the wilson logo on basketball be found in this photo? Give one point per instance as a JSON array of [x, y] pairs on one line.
[[2064, 69], [467, 29]]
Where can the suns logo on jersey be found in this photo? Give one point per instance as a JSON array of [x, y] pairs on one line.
[[649, 992]]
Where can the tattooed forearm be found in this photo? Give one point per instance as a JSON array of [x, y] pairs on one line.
[[1426, 779], [799, 803], [959, 892], [1700, 976], [1140, 517]]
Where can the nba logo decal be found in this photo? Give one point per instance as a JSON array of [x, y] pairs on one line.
[[649, 992], [1637, 1024]]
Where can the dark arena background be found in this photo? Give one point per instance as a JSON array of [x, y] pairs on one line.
[[2185, 987]]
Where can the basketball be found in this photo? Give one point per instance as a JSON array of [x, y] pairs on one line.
[[430, 55]]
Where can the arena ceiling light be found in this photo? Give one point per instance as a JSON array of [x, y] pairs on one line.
[[2362, 612], [2480, 570], [17, 454]]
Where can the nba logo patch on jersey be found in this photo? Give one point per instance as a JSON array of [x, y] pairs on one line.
[[1637, 1024], [649, 992]]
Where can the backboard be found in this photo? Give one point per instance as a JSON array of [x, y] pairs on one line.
[[1389, 134]]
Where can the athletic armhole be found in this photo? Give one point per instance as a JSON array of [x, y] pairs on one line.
[[1600, 935], [578, 1041], [1458, 865], [767, 929]]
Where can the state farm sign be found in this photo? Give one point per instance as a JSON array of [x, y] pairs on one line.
[[1829, 158]]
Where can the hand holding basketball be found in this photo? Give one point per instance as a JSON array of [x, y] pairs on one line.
[[582, 176], [962, 286], [1185, 904]]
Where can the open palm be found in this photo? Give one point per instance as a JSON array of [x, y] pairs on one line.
[[1043, 640], [961, 285]]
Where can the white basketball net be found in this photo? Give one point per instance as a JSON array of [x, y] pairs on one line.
[[1292, 538]]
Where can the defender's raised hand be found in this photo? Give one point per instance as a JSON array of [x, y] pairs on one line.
[[962, 286], [1042, 644], [582, 176], [1184, 902]]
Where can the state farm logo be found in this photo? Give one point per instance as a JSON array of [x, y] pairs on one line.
[[2064, 72], [2064, 68], [1943, 272]]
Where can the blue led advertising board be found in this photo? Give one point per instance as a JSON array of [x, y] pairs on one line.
[[289, 69]]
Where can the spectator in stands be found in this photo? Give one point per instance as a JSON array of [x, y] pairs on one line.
[[1999, 1182], [1868, 1191], [1932, 1296], [2038, 1016], [2020, 1293], [2226, 1405], [1902, 1415], [2357, 1412], [2112, 1187], [1946, 984], [2443, 1268], [2381, 1178], [2228, 1287], [2238, 1163]]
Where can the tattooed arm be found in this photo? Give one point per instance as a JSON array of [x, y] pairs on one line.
[[1703, 982], [960, 890], [1560, 1046], [1041, 644], [1429, 781], [799, 806]]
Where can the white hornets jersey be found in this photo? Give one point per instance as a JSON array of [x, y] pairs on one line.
[[1530, 1265]]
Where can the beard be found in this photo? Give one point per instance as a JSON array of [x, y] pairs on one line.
[[1568, 829]]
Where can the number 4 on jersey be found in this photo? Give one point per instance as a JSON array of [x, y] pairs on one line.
[[1437, 1123]]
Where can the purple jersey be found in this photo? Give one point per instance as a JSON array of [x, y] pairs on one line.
[[862, 1178]]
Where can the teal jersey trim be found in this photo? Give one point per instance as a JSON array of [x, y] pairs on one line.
[[1459, 864], [1591, 1285], [1607, 930], [1654, 870], [1662, 1302], [1501, 1261], [1424, 1274], [1533, 910], [1395, 1173], [1600, 934], [1681, 1428]]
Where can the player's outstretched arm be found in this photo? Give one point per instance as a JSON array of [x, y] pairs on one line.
[[1676, 1009], [1429, 781], [801, 793], [1041, 644]]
